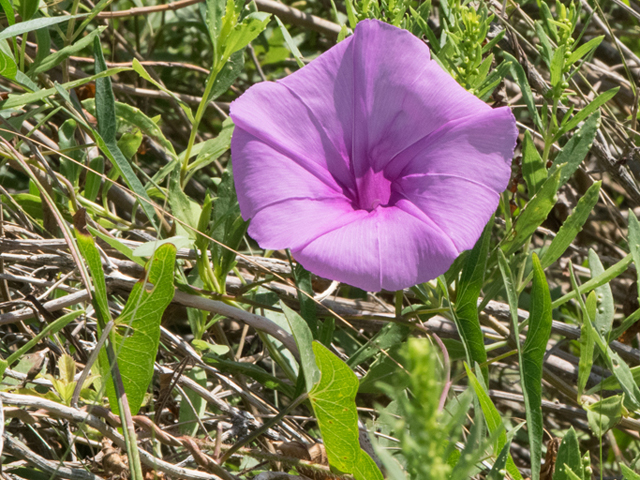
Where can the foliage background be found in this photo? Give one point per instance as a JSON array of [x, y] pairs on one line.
[[131, 295]]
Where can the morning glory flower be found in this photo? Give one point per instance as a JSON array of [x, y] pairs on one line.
[[371, 163]]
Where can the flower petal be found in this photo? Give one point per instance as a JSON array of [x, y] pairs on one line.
[[478, 148], [295, 222], [279, 117], [325, 87], [264, 176], [386, 249], [445, 201], [401, 95]]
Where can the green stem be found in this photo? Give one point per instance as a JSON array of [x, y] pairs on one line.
[[399, 296], [72, 23], [23, 51], [605, 277], [128, 429], [202, 107]]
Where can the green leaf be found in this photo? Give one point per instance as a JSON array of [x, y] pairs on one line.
[[43, 40], [498, 471], [589, 109], [534, 170], [69, 168], [390, 335], [195, 408], [568, 455], [242, 34], [533, 214], [26, 98], [289, 41], [556, 67], [587, 344], [606, 308], [138, 329], [466, 308], [229, 20], [304, 341], [628, 473], [8, 11], [605, 414], [572, 225], [571, 475], [634, 243], [611, 383], [116, 245], [576, 149], [351, 14], [493, 80], [93, 180], [35, 24], [215, 12], [91, 255], [333, 401], [548, 21], [27, 8], [228, 227], [494, 422], [225, 78], [521, 78], [129, 143], [305, 294], [58, 57], [533, 352], [106, 140], [8, 67], [584, 49], [546, 50], [139, 69], [129, 115], [618, 367], [216, 349], [211, 150], [148, 249], [384, 370], [605, 277], [183, 209]]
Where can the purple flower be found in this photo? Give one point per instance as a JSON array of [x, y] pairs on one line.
[[371, 163]]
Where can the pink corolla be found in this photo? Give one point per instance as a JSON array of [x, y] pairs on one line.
[[371, 163]]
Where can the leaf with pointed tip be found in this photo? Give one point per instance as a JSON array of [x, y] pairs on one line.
[[333, 401], [605, 414], [138, 328], [533, 352], [568, 456]]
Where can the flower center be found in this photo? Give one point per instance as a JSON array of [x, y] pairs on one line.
[[373, 190]]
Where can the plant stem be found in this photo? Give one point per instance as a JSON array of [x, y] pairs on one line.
[[202, 107]]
